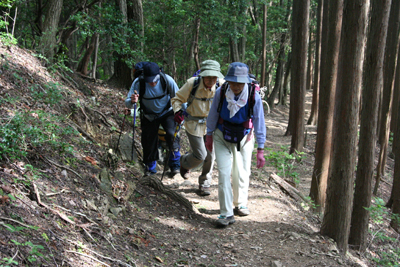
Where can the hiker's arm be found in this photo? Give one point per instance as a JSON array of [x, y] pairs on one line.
[[259, 122], [134, 87], [213, 115], [182, 95]]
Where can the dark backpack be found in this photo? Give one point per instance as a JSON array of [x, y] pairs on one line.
[[142, 88], [138, 69], [194, 90]]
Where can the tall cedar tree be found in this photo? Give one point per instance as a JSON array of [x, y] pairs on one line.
[[386, 99], [312, 120], [331, 29], [337, 216], [299, 65], [373, 78]]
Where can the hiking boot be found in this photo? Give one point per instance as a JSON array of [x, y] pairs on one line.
[[225, 221], [184, 172], [149, 173], [174, 171], [204, 190], [241, 211]]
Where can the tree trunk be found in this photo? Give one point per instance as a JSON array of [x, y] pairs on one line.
[[386, 101], [298, 81], [310, 63], [50, 28], [283, 93], [337, 216], [373, 78], [234, 50], [312, 120], [196, 43], [395, 195], [264, 44], [279, 73], [330, 40], [84, 63]]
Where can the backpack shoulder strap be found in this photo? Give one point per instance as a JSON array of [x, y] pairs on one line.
[[222, 96], [142, 88], [253, 89], [194, 90]]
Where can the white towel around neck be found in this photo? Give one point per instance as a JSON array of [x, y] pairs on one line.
[[235, 105]]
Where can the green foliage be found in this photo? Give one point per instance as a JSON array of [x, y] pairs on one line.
[[34, 253], [379, 214], [285, 162], [50, 95], [6, 37], [33, 129]]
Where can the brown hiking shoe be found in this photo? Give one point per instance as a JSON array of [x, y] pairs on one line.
[[184, 172]]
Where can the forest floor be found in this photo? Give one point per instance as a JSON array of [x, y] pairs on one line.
[[87, 208]]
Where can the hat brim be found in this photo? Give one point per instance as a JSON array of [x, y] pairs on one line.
[[238, 79], [149, 79], [211, 73]]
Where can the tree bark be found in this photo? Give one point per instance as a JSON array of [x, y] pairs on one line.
[[312, 120], [50, 27], [337, 216], [84, 63], [331, 29], [386, 100], [299, 64], [373, 78], [264, 44], [395, 195], [196, 43]]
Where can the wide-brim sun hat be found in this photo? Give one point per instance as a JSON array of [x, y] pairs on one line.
[[238, 72], [210, 68], [150, 72]]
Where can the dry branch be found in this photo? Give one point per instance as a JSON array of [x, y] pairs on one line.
[[293, 192], [155, 183]]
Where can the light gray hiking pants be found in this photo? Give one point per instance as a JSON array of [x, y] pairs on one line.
[[199, 155]]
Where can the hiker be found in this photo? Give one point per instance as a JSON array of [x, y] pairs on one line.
[[198, 92], [236, 110], [154, 90]]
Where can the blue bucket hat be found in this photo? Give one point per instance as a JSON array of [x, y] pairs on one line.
[[150, 72], [238, 72]]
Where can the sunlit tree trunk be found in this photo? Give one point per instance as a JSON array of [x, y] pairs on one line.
[[50, 28], [373, 77], [337, 216], [312, 120], [330, 41]]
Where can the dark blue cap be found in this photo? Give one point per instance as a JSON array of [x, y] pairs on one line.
[[150, 71]]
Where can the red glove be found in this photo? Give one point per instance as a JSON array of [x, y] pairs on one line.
[[178, 118], [260, 158], [209, 142]]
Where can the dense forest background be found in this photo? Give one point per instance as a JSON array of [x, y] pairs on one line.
[[346, 51]]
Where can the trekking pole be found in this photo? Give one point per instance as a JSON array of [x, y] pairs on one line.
[[178, 127], [119, 138], [133, 134], [134, 123]]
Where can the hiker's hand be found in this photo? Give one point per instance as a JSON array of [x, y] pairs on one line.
[[127, 111], [260, 158], [209, 142], [134, 98], [178, 118]]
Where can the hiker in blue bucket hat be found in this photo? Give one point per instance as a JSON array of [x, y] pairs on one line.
[[236, 115]]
